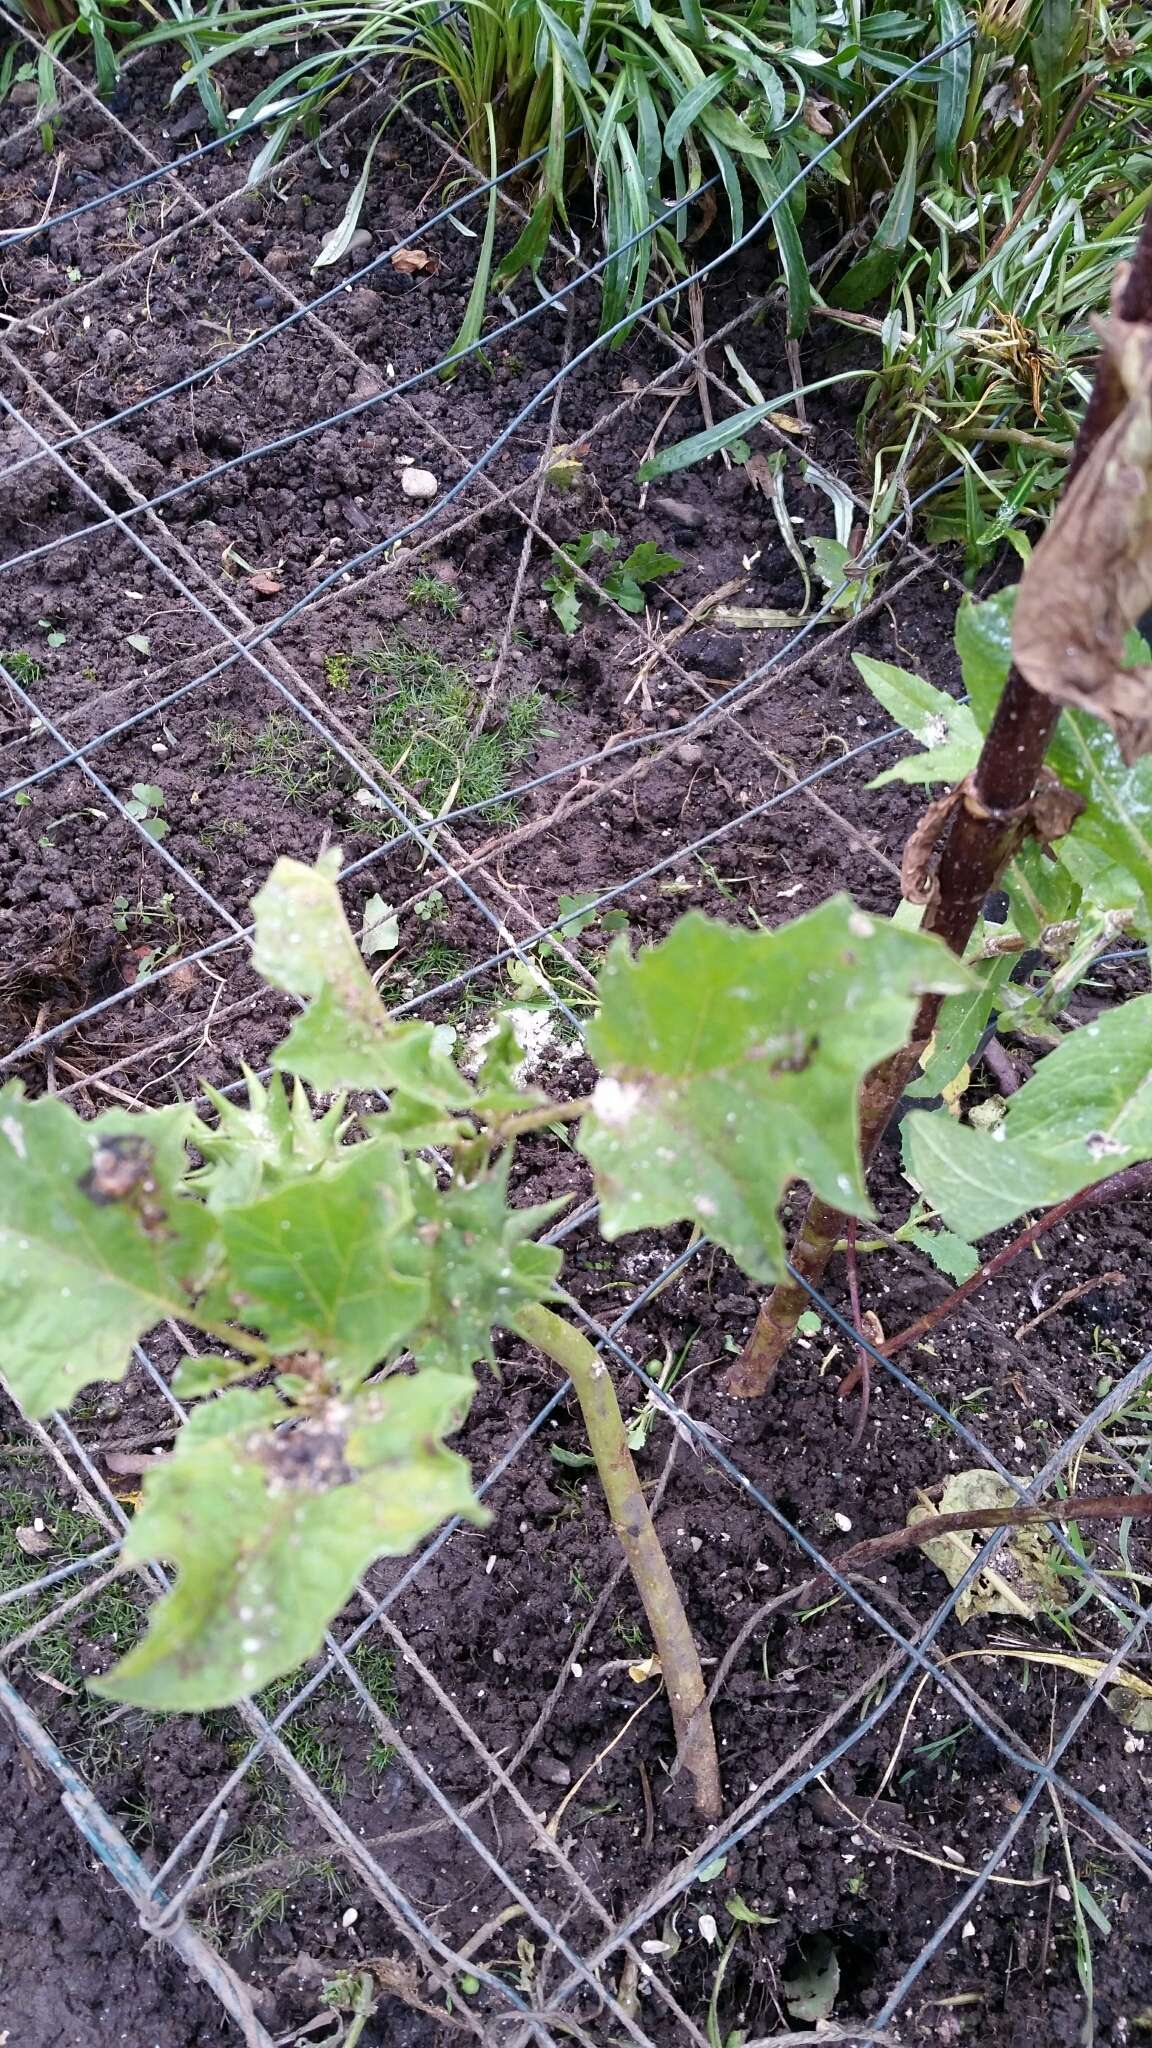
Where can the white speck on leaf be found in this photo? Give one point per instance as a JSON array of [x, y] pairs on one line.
[[615, 1103]]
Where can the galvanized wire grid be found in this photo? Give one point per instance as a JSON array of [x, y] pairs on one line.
[[601, 1980]]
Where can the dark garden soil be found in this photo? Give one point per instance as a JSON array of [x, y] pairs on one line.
[[531, 1608]]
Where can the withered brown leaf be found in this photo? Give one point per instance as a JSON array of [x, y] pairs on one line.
[[410, 262], [1089, 580]]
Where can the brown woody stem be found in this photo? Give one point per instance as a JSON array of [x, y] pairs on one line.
[[1082, 1507], [671, 1634], [985, 829]]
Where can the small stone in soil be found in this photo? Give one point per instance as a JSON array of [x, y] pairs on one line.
[[551, 1770], [418, 483], [679, 511]]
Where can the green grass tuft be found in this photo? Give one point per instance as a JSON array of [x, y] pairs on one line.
[[432, 594], [424, 711], [281, 751]]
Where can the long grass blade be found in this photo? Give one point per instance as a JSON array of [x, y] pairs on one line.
[[955, 72], [877, 268], [473, 320]]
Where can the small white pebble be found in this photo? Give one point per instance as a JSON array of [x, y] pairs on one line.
[[349, 1918], [707, 1926], [418, 483], [577, 1671], [967, 1932], [842, 1521]]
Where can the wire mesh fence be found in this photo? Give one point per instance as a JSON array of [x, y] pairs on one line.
[[593, 1962]]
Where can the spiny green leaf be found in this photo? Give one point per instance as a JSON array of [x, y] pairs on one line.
[[730, 1064], [271, 1139], [98, 1241], [271, 1528], [346, 1039], [313, 1265], [1085, 1113], [481, 1264], [501, 1090]]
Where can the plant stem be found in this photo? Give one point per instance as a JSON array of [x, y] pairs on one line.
[[985, 830], [540, 1119], [671, 1635], [1077, 1507]]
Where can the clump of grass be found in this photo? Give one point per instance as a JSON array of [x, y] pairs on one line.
[[432, 594], [112, 1619], [23, 666], [424, 713], [280, 751]]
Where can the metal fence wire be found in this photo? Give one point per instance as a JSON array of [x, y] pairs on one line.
[[601, 1974]]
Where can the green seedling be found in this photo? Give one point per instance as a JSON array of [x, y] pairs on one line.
[[146, 806], [281, 751], [22, 666], [431, 593], [624, 582], [425, 713]]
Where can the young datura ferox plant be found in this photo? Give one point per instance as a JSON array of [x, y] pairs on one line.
[[318, 1251]]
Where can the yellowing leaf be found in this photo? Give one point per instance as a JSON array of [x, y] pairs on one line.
[[271, 1528], [1022, 1580]]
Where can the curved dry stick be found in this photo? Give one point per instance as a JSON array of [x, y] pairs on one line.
[[671, 1634], [1131, 1180], [1077, 1507]]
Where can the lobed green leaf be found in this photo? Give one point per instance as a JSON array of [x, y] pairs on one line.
[[731, 1063], [346, 1039], [270, 1530], [98, 1241], [316, 1265]]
